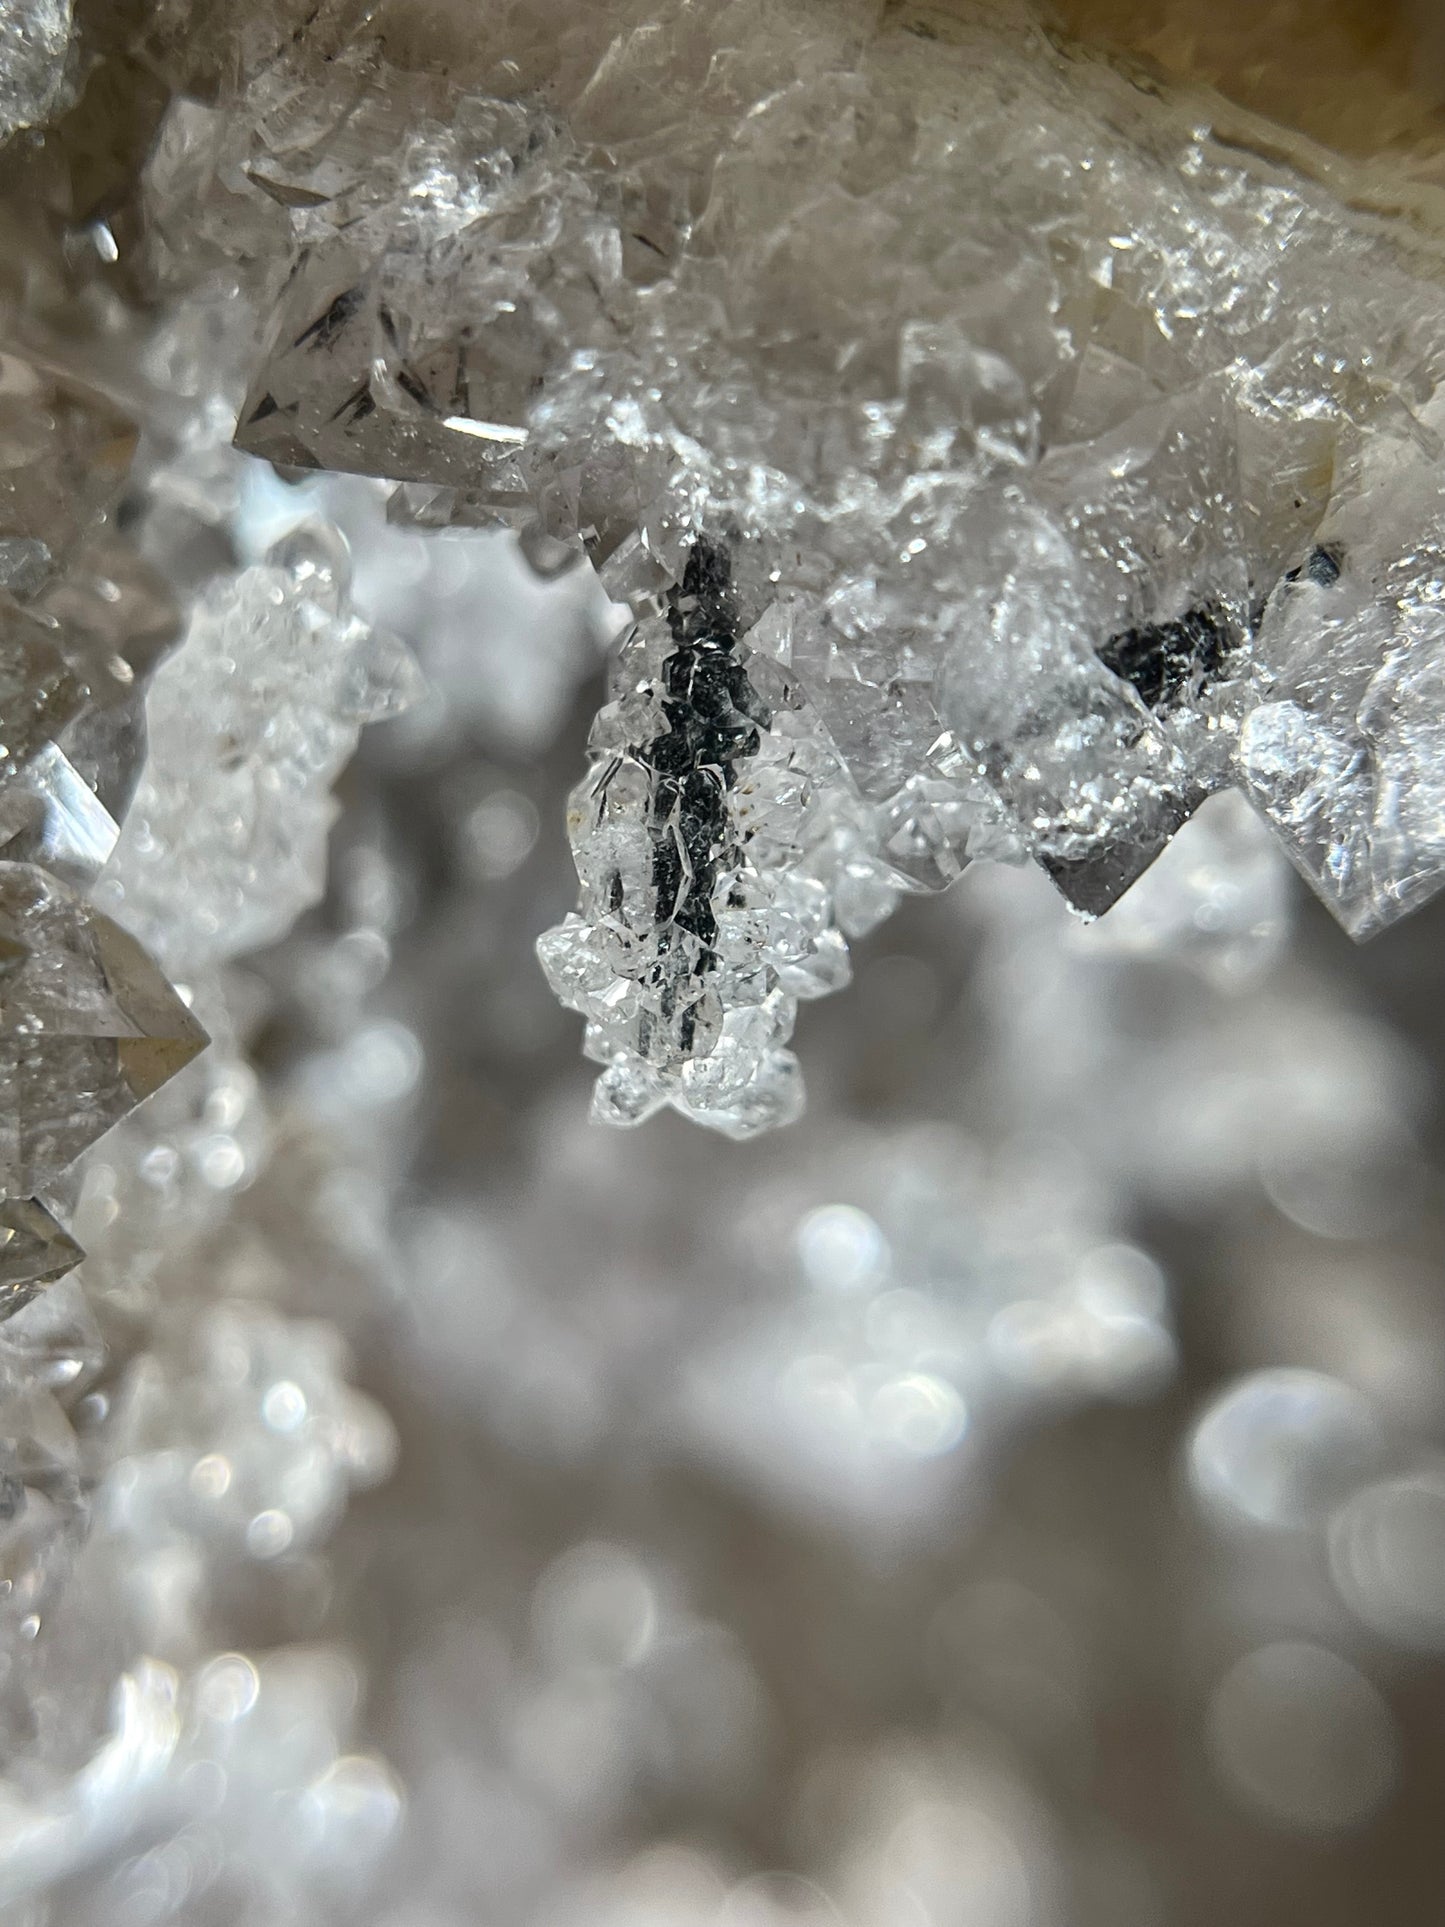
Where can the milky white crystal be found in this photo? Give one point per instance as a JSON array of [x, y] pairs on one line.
[[251, 721]]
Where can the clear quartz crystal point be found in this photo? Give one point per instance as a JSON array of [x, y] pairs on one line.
[[88, 1027], [34, 1252]]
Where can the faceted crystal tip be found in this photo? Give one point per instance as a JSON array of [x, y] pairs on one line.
[[34, 1252], [88, 1027]]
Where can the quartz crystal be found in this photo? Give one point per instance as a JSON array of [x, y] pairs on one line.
[[34, 1252], [993, 489], [701, 838], [34, 42], [1020, 406], [1347, 758], [277, 674], [456, 596], [73, 696], [68, 448], [88, 1027]]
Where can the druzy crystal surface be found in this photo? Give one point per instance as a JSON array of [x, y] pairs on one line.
[[702, 839], [1019, 409], [222, 851], [969, 464]]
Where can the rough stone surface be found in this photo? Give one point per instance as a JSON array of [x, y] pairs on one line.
[[34, 41]]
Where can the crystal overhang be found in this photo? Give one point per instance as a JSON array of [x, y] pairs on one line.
[[1071, 464]]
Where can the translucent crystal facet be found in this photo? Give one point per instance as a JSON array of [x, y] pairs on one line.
[[1347, 757], [34, 1252], [34, 41], [67, 451], [88, 1027], [72, 695]]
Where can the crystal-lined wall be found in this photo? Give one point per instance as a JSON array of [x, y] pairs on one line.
[[862, 543]]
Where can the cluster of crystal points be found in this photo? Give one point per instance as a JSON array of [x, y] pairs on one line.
[[707, 840], [163, 1435], [225, 845], [177, 701], [710, 1349], [88, 1025], [1042, 436], [219, 854]]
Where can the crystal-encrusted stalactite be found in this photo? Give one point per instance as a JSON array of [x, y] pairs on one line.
[[701, 838]]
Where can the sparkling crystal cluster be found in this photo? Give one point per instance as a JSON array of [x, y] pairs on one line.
[[178, 1444], [280, 674], [1025, 417], [1012, 1495], [708, 840], [220, 850], [88, 1025], [178, 1429]]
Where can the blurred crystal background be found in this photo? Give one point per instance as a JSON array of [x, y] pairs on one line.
[[1012, 1496]]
